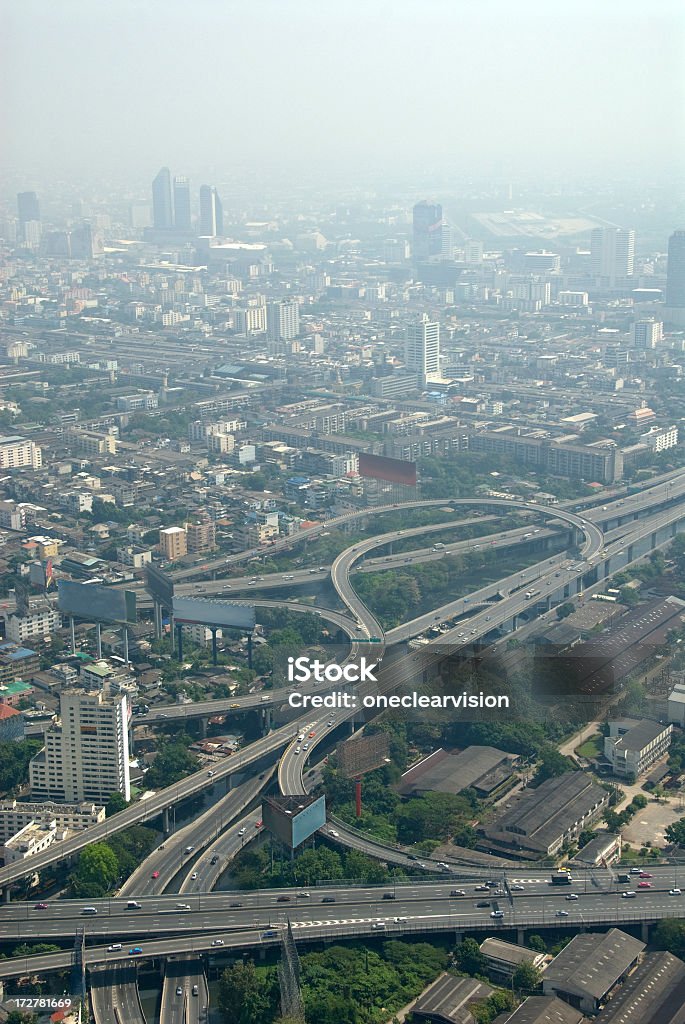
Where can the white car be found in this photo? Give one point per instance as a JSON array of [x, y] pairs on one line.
[[562, 913], [572, 896], [674, 892], [297, 750], [332, 832], [217, 942], [242, 831], [303, 895], [193, 876]]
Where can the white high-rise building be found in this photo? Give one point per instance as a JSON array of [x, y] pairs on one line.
[[422, 348], [86, 755], [646, 334], [282, 321], [19, 453], [612, 253]]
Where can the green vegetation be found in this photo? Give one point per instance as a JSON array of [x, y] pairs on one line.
[[101, 867], [14, 762], [593, 746], [675, 833], [669, 934], [350, 984], [173, 763], [253, 869], [616, 821]]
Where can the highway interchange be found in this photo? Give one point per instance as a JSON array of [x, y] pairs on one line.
[[245, 924]]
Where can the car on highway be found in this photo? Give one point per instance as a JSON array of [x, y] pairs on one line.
[[270, 934], [399, 920], [193, 876], [195, 990], [235, 705], [636, 871], [114, 948], [155, 874], [646, 874], [183, 906], [215, 859], [457, 892], [235, 904], [481, 888], [217, 942], [283, 899], [297, 750], [258, 824], [497, 913], [562, 913], [41, 906], [303, 895], [572, 896], [210, 773], [242, 831], [135, 951], [305, 746], [328, 899], [312, 735], [516, 887], [332, 832], [644, 885], [628, 895], [482, 904], [379, 925], [189, 849], [179, 990], [675, 892], [133, 905], [389, 896], [499, 892]]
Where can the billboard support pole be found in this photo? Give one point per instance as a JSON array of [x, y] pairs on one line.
[[98, 639], [215, 658], [179, 633], [249, 650], [158, 621], [358, 797], [124, 630], [73, 634]]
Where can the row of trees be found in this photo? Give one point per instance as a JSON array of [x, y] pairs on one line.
[[101, 867]]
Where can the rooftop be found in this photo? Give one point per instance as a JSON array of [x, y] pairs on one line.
[[592, 963], [653, 994], [447, 1000]]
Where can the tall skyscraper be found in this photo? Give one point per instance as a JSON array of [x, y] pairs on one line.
[[612, 253], [28, 209], [182, 204], [428, 231], [282, 321], [162, 206], [211, 212], [422, 348], [86, 755], [675, 273]]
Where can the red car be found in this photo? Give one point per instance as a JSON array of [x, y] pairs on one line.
[[312, 735], [258, 824], [644, 885], [646, 874], [155, 874], [41, 906]]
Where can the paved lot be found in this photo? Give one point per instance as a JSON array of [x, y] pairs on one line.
[[649, 823]]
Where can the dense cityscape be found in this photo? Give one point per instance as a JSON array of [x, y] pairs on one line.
[[342, 537]]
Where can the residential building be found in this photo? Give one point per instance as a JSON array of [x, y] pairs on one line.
[[541, 820], [660, 438], [39, 621], [250, 320], [11, 724], [162, 204], [16, 693], [590, 967], [86, 755], [19, 453], [134, 557], [201, 535], [612, 254], [676, 705], [91, 442], [29, 841], [646, 334], [282, 322], [173, 543], [211, 212], [422, 349], [395, 385], [142, 400], [17, 662], [28, 209], [633, 746], [221, 444], [15, 815]]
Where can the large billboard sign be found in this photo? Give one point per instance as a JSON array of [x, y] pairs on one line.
[[213, 613], [379, 467], [292, 819], [363, 754], [159, 585], [96, 603]]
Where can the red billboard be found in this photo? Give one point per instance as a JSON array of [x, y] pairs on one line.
[[396, 471]]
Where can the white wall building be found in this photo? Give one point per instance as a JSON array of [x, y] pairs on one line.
[[19, 453]]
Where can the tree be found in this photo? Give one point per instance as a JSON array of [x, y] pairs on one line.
[[669, 934], [19, 1017], [565, 609], [537, 943], [173, 763], [115, 804], [526, 977], [243, 996], [96, 872], [675, 833], [26, 949], [552, 764], [468, 957]]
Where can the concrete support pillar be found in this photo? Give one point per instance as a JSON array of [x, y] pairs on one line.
[[158, 620], [166, 824], [214, 650], [202, 727], [7, 895], [351, 724], [520, 936], [98, 639], [124, 636], [644, 931], [229, 783]]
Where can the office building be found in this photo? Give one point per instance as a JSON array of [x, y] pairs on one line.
[[282, 321], [162, 205], [646, 334], [182, 219], [86, 755], [19, 453], [660, 438], [675, 273], [173, 543], [37, 621], [427, 231], [633, 746], [211, 212], [28, 209], [612, 254], [422, 348]]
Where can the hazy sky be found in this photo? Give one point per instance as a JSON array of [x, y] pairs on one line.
[[474, 86]]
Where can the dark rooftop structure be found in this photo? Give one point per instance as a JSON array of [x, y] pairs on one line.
[[542, 1010], [653, 994], [590, 966], [542, 819], [446, 771], [447, 1000]]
